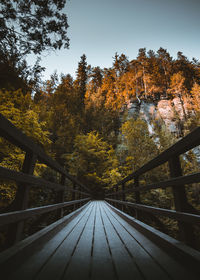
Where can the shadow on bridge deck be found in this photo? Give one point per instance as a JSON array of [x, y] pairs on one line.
[[98, 244]]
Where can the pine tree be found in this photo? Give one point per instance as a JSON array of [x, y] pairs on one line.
[[165, 67], [81, 78]]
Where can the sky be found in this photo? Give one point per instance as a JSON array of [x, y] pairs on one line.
[[100, 28]]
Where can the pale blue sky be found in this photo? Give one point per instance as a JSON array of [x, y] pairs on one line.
[[99, 28]]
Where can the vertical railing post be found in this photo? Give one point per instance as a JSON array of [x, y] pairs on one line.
[[80, 196], [113, 197], [180, 202], [74, 195], [123, 196], [22, 197], [137, 196], [116, 195], [60, 197]]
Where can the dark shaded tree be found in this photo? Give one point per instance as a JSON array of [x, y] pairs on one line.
[[82, 77], [120, 64], [26, 27], [33, 25]]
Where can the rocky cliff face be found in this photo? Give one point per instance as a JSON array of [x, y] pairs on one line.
[[172, 112]]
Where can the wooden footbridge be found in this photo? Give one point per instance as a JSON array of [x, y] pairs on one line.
[[97, 239]]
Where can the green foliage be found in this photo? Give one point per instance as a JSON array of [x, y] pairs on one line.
[[93, 161], [139, 144], [84, 125], [81, 79], [28, 27], [21, 111], [33, 26]]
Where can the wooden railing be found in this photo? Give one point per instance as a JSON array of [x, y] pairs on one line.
[[184, 213], [25, 180]]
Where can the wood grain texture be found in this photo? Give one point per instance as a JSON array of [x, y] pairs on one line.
[[99, 244]]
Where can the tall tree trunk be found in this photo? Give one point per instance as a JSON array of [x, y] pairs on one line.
[[145, 85], [182, 105]]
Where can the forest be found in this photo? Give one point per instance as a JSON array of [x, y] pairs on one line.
[[85, 124]]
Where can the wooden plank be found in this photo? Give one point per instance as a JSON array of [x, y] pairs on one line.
[[97, 244], [102, 263], [177, 257], [34, 264], [167, 263], [59, 261], [14, 256], [125, 266], [80, 263], [147, 265]]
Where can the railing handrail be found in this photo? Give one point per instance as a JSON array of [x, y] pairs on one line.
[[187, 143], [177, 181], [187, 179], [21, 177], [9, 132], [26, 180], [179, 216], [16, 216]]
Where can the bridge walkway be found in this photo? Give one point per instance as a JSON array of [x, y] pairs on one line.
[[98, 244]]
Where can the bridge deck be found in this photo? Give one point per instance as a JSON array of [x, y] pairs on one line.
[[98, 244]]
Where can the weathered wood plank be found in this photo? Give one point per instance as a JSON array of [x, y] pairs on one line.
[[33, 264], [80, 263], [16, 255], [125, 266], [146, 264], [56, 266], [172, 255], [102, 263], [97, 244]]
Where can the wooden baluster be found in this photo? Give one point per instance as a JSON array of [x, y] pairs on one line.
[[80, 196], [60, 197], [112, 197], [137, 196], [116, 195], [74, 196], [180, 201], [123, 197], [123, 194], [22, 197]]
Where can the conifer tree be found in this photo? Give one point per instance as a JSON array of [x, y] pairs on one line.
[[81, 78]]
